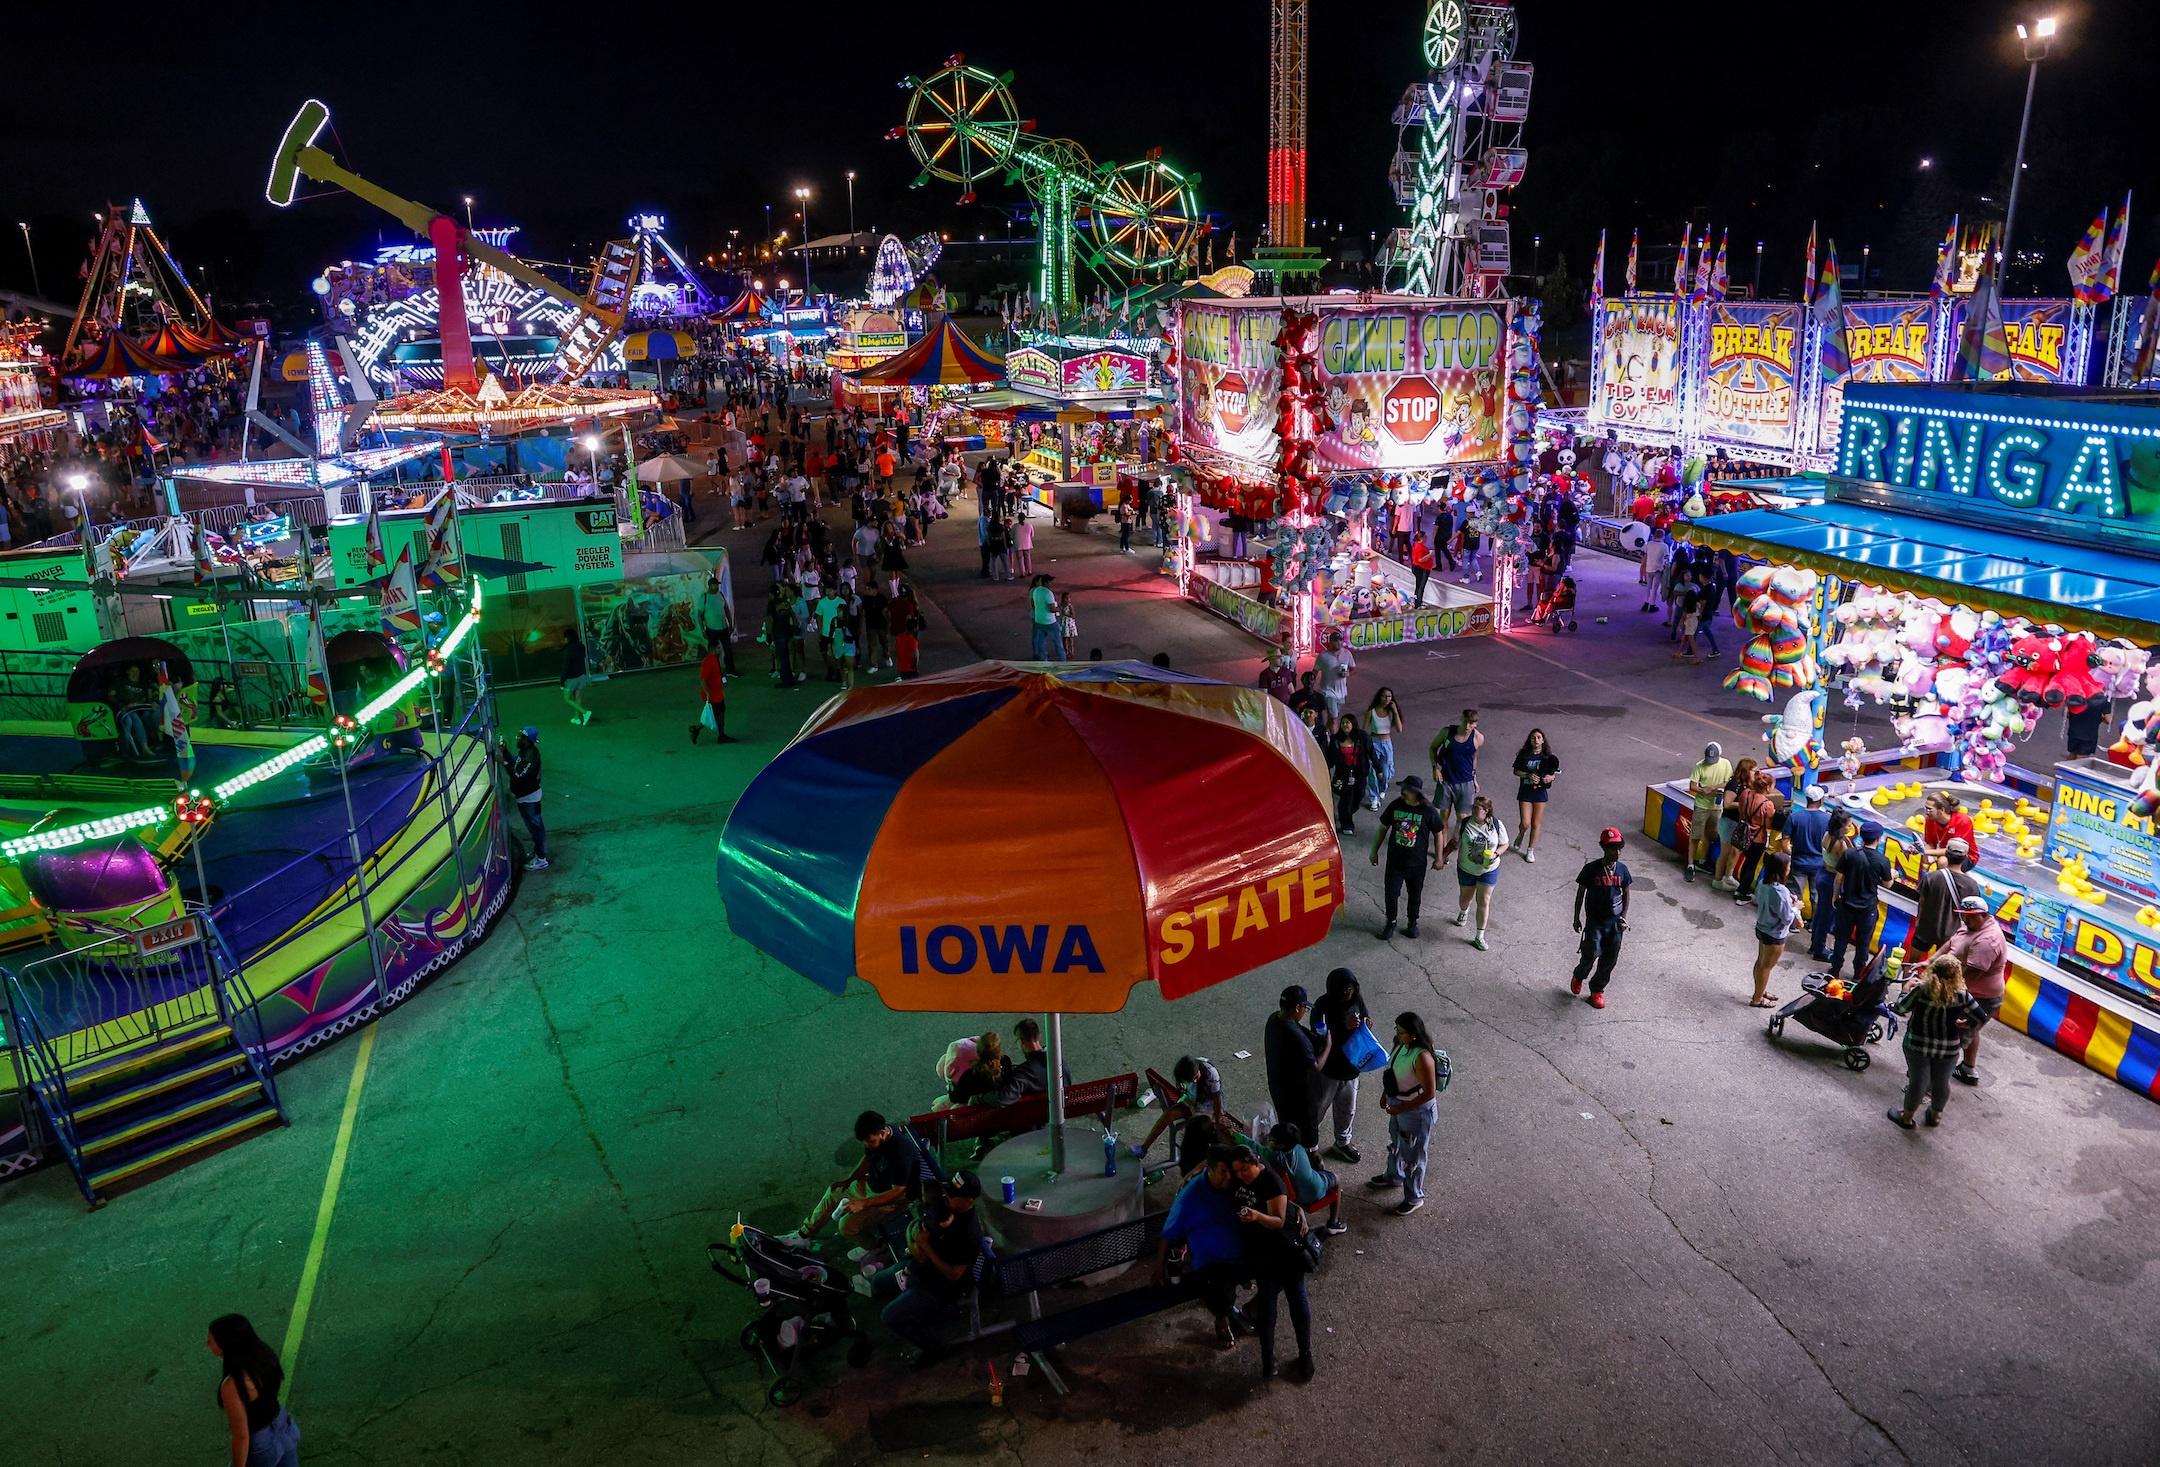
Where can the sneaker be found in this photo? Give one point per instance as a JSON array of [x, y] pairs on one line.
[[1381, 1184], [1387, 932], [1530, 854], [1932, 1118], [1334, 1229], [537, 863], [585, 719], [1478, 942], [1687, 874], [1597, 1000], [1967, 1075], [1347, 1152], [1458, 919], [1574, 985], [1410, 931], [1405, 1207]]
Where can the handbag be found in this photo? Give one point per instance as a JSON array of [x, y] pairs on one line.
[[1363, 1050]]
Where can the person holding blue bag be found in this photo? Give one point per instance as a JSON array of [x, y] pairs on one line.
[[1342, 1013]]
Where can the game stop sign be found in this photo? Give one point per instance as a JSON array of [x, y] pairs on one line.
[[1410, 410], [1231, 401]]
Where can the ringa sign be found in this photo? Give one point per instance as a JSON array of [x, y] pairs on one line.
[[2039, 465]]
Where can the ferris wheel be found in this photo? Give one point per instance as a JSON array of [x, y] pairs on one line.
[[1443, 33], [1146, 215], [961, 124]]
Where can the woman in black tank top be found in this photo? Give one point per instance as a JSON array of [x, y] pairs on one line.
[[263, 1435]]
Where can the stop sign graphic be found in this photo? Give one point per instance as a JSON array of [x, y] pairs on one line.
[[1410, 410], [1231, 402]]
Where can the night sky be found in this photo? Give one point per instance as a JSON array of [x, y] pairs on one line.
[[1749, 116]]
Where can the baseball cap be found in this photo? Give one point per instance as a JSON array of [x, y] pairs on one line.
[[1295, 994], [964, 1184], [1870, 830], [1609, 836], [530, 732], [1973, 904], [1712, 751], [1412, 782], [1815, 794], [1957, 845]]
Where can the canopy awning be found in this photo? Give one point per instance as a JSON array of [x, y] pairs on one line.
[[2074, 586], [944, 357]]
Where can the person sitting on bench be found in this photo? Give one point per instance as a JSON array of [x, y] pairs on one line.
[[1199, 1137], [877, 1192], [1030, 1074], [1205, 1219], [1307, 1183], [1199, 1090], [941, 1255], [980, 1082]]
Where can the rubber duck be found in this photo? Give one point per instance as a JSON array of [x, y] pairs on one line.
[[1916, 823], [2148, 916], [1879, 799]]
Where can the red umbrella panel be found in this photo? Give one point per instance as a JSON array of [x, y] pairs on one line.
[[1037, 837]]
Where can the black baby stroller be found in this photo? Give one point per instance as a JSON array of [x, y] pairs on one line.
[[1851, 1014], [803, 1304]]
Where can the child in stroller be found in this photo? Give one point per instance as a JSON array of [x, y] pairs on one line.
[[1558, 609], [803, 1304], [1850, 1014]]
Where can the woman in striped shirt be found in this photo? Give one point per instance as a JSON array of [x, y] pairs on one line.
[[1939, 1015]]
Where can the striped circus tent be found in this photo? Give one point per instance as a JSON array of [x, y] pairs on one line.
[[176, 343], [944, 357], [119, 355], [746, 307]]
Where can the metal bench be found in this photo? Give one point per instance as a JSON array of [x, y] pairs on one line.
[[1057, 1264]]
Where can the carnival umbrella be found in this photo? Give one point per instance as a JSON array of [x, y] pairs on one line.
[[1147, 825], [669, 468], [658, 346]]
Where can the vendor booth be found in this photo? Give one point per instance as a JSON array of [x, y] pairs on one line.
[[1987, 557], [1380, 410]]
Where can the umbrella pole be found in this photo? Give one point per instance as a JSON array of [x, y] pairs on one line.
[[1057, 1096]]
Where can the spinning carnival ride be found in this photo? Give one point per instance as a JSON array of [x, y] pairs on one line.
[[496, 288], [1123, 221], [1460, 150]]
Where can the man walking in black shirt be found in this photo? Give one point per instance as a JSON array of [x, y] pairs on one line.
[[1407, 827], [1601, 908]]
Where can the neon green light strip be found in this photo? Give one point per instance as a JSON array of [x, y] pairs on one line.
[[63, 837]]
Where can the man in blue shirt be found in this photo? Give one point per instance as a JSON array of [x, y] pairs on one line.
[[1807, 828], [1205, 1219]]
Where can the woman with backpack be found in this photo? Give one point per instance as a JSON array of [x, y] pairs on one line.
[[1411, 1085]]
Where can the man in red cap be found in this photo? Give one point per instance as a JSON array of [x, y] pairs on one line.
[[1601, 908]]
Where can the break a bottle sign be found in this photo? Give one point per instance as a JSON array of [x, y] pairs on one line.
[[1749, 378]]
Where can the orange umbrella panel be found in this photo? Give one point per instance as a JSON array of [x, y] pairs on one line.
[[1036, 838]]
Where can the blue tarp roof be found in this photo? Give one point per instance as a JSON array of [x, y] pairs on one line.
[[2075, 586]]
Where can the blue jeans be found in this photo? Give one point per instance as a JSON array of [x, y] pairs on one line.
[[534, 826], [276, 1445], [918, 1313], [1049, 642], [1819, 884], [1409, 1139], [1383, 770]]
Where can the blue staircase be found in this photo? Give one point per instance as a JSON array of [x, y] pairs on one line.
[[139, 1062]]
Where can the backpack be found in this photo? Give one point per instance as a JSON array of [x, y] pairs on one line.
[[1300, 1243]]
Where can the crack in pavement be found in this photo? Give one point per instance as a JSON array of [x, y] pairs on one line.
[[1650, 1196]]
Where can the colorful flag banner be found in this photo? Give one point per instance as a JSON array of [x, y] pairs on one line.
[[2118, 241], [318, 659], [1829, 312], [2087, 261], [1634, 248], [376, 560], [175, 721], [2141, 361], [442, 567], [1720, 282], [1984, 354], [1679, 274], [1807, 271], [1702, 270], [199, 550], [1597, 275], [401, 598], [1946, 263]]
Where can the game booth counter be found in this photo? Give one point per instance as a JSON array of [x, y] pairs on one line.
[[1307, 422], [1986, 557]]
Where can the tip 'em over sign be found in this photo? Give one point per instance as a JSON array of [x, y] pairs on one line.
[[2039, 464], [1088, 960]]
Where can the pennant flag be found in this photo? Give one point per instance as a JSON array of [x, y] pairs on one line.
[[441, 567], [1719, 281], [1597, 275], [1984, 354], [375, 557], [1679, 274], [318, 659], [1829, 311], [199, 550], [401, 598], [175, 722], [1634, 247], [2118, 240], [1946, 263], [1702, 270], [1807, 271], [2141, 362], [151, 441], [2087, 260]]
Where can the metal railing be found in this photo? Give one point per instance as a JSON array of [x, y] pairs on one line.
[[239, 692], [38, 1071], [109, 995]]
